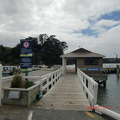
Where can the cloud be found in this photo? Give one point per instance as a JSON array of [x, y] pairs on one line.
[[103, 25], [107, 23], [65, 18], [107, 43], [86, 8], [10, 39]]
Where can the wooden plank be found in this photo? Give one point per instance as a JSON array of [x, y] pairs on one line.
[[67, 94]]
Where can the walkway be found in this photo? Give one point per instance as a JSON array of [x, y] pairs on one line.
[[65, 101], [67, 94]]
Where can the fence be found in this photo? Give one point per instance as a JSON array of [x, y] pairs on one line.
[[47, 81], [90, 87], [27, 96]]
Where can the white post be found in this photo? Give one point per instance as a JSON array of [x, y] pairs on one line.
[[64, 62], [0, 83], [47, 83]]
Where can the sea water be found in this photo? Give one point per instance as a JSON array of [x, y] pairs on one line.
[[108, 96]]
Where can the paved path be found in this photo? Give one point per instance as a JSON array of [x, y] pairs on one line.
[[67, 94], [9, 112]]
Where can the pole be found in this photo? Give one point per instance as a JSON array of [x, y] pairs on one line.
[[0, 83], [116, 60], [117, 67], [117, 71]]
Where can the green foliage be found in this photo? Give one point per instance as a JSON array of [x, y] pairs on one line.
[[10, 56], [17, 81], [46, 50], [4, 51], [51, 49], [28, 84]]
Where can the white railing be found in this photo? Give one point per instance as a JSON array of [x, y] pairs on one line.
[[90, 87], [106, 111], [47, 81]]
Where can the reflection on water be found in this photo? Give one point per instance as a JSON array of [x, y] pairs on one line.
[[110, 96]]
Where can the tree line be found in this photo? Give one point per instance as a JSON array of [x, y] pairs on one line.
[[46, 50]]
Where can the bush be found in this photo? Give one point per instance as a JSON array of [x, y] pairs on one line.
[[28, 84], [17, 81]]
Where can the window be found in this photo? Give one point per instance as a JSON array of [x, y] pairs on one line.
[[91, 61]]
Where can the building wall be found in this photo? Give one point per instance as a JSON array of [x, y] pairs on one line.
[[81, 64]]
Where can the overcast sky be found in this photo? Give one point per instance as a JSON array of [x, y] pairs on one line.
[[91, 24]]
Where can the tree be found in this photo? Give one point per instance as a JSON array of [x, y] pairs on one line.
[[46, 50], [13, 57], [4, 52], [51, 49]]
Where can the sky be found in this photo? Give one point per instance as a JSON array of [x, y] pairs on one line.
[[90, 24]]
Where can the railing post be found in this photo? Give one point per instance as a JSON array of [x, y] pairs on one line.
[[95, 94], [52, 80], [41, 86], [64, 63], [0, 83], [47, 83]]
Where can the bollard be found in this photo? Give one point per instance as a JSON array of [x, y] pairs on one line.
[[0, 83]]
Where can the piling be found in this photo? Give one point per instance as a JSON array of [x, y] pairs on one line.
[[118, 71]]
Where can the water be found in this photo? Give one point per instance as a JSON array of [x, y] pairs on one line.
[[110, 96]]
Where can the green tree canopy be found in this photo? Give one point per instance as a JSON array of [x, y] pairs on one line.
[[46, 50]]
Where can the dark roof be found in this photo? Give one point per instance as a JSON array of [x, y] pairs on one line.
[[81, 53], [81, 50]]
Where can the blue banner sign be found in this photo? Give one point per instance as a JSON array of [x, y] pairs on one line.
[[26, 55], [93, 69]]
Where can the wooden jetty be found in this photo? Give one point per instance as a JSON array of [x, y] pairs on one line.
[[67, 94]]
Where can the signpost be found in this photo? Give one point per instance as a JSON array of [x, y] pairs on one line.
[[26, 55]]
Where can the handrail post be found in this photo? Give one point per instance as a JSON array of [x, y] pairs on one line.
[[41, 86], [95, 94], [47, 83], [0, 83]]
